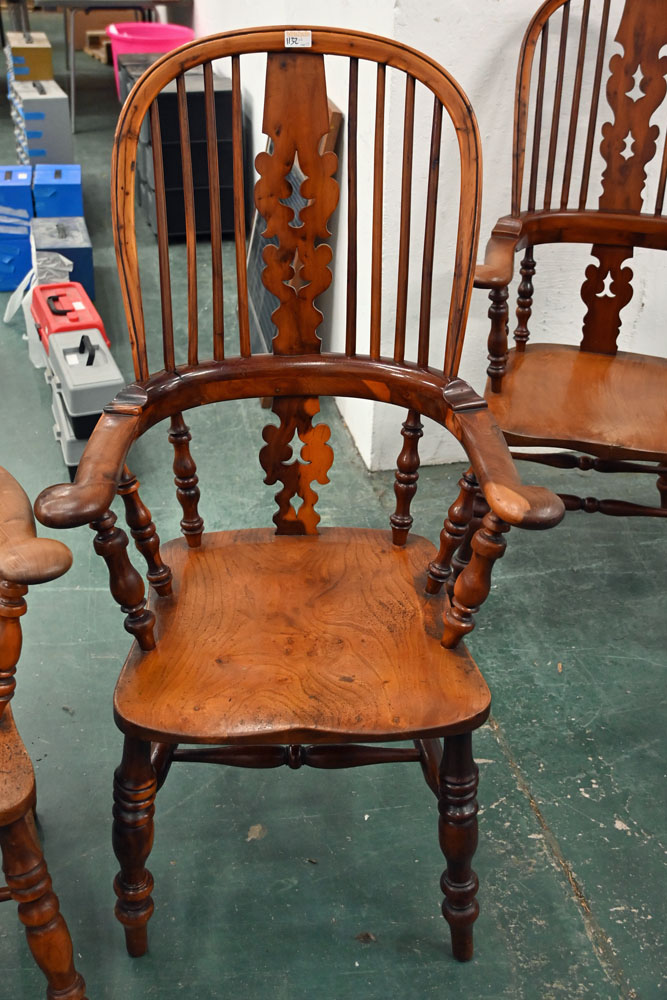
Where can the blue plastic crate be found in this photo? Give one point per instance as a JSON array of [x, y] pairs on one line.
[[57, 189], [16, 188]]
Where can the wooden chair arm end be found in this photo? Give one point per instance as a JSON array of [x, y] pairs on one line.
[[497, 270], [70, 505], [34, 560], [25, 559], [530, 507]]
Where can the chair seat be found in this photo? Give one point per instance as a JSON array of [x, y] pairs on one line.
[[611, 406], [284, 639], [17, 778]]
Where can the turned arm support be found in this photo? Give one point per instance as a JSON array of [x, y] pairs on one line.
[[497, 270], [24, 558], [90, 495], [532, 507]]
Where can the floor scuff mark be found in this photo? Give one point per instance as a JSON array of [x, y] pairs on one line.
[[596, 935]]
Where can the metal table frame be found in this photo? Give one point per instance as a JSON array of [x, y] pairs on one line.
[[146, 9]]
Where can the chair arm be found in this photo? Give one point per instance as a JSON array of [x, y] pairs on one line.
[[498, 268], [70, 505], [532, 507], [24, 558]]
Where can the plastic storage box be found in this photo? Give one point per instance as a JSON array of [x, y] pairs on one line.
[[16, 188], [64, 307], [57, 189], [15, 250], [72, 447], [48, 268], [40, 109], [85, 375], [68, 236]]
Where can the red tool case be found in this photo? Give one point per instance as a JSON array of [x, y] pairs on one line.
[[64, 307]]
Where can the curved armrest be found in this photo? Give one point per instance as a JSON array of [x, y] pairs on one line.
[[532, 507], [24, 558], [498, 268], [90, 495]]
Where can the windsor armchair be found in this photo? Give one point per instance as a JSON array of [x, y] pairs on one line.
[[25, 560], [608, 403], [259, 648]]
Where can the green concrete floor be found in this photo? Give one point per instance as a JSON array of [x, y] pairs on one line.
[[572, 819]]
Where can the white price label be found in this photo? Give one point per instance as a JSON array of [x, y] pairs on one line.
[[79, 306], [298, 39]]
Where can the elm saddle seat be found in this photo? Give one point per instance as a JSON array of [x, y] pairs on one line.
[[259, 648], [27, 560], [607, 403], [310, 638]]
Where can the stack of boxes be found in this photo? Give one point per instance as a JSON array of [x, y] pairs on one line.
[[80, 370], [43, 237], [52, 193], [39, 107], [130, 68]]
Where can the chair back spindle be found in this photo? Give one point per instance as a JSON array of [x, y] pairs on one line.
[[298, 253]]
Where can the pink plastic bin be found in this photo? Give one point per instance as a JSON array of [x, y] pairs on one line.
[[145, 37]]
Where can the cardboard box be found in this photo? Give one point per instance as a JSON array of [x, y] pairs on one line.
[[30, 55], [95, 20]]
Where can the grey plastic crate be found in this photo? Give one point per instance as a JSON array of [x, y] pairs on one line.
[[63, 432], [85, 388], [43, 120]]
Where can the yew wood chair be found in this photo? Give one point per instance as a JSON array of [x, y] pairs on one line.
[[608, 404], [25, 560], [261, 647]]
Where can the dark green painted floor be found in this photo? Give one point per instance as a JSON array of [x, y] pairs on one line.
[[572, 821]]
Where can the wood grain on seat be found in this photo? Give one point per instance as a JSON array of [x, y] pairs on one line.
[[608, 405], [268, 638]]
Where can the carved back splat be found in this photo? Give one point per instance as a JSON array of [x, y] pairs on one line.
[[628, 145], [295, 135]]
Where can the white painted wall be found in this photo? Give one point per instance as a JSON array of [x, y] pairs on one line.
[[478, 43]]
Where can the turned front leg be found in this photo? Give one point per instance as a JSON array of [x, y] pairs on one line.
[[135, 787], [458, 840], [126, 585], [29, 883]]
